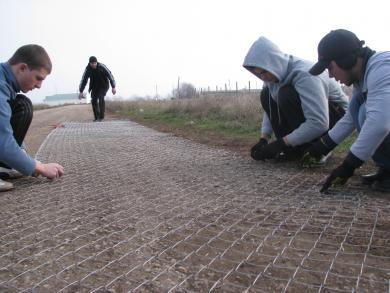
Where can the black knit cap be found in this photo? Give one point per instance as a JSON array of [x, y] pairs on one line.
[[92, 59], [335, 45]]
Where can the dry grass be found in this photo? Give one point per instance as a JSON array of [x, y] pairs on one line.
[[231, 121], [245, 107]]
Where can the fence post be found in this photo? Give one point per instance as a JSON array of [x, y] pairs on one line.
[[178, 88]]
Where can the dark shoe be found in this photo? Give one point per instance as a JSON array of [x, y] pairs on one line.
[[290, 154], [371, 178], [381, 185], [6, 173], [287, 157], [310, 162]]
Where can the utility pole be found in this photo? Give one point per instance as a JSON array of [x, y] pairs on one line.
[[178, 88]]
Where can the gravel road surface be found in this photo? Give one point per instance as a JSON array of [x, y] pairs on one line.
[[144, 211]]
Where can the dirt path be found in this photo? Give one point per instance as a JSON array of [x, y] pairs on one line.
[[144, 211], [45, 121]]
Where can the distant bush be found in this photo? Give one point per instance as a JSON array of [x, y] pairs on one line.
[[185, 91]]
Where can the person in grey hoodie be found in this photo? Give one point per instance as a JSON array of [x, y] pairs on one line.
[[299, 107], [345, 58], [24, 71]]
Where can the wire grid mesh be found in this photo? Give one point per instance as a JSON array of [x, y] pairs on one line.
[[142, 211]]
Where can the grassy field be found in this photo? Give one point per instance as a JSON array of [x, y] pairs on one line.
[[232, 122]]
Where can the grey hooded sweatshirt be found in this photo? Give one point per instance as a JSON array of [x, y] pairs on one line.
[[314, 91], [376, 127]]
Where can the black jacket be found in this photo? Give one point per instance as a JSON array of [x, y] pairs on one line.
[[98, 78]]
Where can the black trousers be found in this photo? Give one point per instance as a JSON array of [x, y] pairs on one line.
[[98, 103], [21, 117], [290, 116]]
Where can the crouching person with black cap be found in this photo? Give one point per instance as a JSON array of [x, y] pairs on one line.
[[345, 58]]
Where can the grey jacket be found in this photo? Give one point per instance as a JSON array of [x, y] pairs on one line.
[[314, 91], [376, 87]]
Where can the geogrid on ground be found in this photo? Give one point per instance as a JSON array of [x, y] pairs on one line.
[[143, 211]]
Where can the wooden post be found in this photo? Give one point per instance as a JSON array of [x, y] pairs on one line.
[[249, 85]]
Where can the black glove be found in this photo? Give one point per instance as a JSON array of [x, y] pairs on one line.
[[317, 149], [270, 151], [321, 147], [257, 147], [341, 174]]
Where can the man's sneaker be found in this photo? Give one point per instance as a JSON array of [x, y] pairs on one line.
[[379, 181], [5, 186], [382, 185], [6, 173], [286, 157], [310, 162], [371, 178]]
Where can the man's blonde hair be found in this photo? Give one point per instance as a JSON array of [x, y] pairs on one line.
[[34, 56]]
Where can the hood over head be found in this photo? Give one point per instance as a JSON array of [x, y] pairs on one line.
[[266, 55]]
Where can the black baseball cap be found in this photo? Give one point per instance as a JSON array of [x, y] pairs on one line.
[[335, 45], [92, 59]]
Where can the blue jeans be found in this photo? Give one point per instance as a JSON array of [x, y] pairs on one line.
[[382, 154]]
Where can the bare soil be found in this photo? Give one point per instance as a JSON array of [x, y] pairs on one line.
[[44, 121], [197, 220]]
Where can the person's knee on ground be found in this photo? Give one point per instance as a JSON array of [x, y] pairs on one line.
[[290, 108], [336, 112], [22, 115], [289, 103]]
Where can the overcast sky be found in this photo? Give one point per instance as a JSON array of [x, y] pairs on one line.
[[148, 44]]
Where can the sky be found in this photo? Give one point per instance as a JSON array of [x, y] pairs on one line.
[[151, 44]]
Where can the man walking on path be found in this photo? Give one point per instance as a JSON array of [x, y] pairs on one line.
[[25, 71], [343, 54], [99, 78]]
